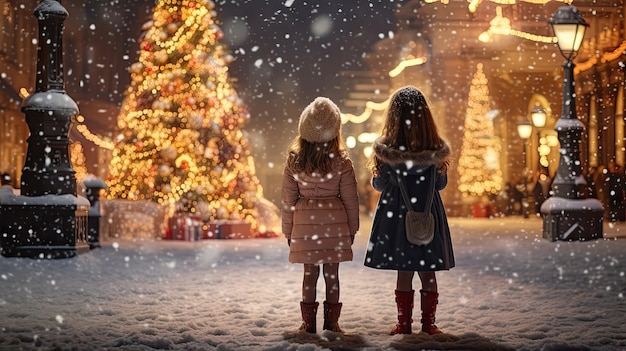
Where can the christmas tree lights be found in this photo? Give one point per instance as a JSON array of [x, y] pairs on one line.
[[181, 142], [479, 162]]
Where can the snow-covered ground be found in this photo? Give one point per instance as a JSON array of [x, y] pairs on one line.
[[511, 290]]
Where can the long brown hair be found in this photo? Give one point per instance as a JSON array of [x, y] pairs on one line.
[[409, 124], [308, 157]]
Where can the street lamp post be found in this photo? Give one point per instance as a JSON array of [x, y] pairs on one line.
[[524, 129], [569, 215]]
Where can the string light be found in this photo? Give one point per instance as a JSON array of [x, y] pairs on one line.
[[613, 55], [502, 25], [371, 106], [472, 5], [98, 140], [406, 63]]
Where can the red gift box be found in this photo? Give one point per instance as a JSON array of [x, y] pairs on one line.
[[185, 227], [210, 231], [226, 229]]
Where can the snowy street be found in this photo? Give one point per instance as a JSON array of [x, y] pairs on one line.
[[510, 290]]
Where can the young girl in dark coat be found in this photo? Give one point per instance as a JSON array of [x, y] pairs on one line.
[[409, 146]]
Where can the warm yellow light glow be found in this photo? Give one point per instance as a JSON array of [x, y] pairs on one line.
[[501, 25], [78, 161], [472, 5], [406, 63], [524, 130], [479, 162], [610, 56], [100, 141], [23, 93], [367, 151], [351, 142], [539, 117], [367, 138], [370, 107], [552, 140]]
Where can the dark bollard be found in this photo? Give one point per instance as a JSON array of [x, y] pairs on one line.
[[47, 220], [92, 192]]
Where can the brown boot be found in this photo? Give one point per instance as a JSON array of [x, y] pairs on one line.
[[331, 316], [429, 307], [309, 317], [404, 301]]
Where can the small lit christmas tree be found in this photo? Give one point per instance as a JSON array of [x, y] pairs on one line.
[[479, 162], [181, 142]]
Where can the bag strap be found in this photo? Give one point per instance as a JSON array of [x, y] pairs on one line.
[[429, 193]]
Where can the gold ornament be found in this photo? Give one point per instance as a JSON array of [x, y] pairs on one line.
[[172, 28]]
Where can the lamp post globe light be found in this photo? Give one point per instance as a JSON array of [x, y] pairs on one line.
[[525, 130], [539, 117], [569, 215]]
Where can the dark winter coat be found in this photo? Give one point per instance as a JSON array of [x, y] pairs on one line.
[[320, 214], [388, 247]]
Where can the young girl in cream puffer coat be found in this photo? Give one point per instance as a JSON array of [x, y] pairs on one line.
[[320, 208]]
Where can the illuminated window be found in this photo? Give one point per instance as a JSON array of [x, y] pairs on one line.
[[593, 132], [619, 127], [7, 39]]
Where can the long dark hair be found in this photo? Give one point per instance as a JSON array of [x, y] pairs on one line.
[[409, 124]]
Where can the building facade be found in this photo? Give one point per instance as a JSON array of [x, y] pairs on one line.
[[436, 46], [524, 70]]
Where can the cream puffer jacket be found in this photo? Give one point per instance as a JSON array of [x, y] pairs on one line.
[[320, 214]]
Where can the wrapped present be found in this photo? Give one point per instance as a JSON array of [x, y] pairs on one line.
[[185, 227], [227, 229], [210, 231]]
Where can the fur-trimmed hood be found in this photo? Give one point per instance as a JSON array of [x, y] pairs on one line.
[[418, 158]]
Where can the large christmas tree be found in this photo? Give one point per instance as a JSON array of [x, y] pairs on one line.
[[479, 162], [181, 142]]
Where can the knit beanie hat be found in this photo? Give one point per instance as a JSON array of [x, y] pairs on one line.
[[320, 121]]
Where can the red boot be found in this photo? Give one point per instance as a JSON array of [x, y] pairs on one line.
[[429, 307], [404, 301], [331, 316], [309, 315]]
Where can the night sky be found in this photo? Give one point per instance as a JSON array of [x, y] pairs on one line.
[[288, 52]]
